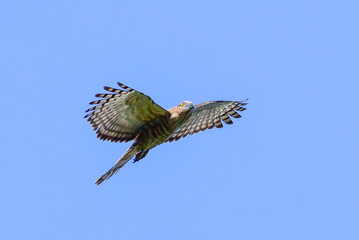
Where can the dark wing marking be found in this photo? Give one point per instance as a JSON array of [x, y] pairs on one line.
[[208, 115], [121, 113]]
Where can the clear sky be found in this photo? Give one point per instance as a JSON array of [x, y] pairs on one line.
[[289, 169]]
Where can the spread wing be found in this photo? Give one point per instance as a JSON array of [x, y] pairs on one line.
[[208, 115], [121, 113]]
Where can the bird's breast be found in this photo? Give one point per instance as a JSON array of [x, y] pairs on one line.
[[154, 133]]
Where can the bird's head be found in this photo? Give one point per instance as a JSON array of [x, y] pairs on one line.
[[186, 104]]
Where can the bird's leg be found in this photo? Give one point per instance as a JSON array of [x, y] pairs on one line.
[[140, 155]]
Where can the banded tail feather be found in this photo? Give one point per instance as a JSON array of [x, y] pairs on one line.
[[127, 156]]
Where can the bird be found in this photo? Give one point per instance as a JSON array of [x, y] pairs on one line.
[[123, 115]]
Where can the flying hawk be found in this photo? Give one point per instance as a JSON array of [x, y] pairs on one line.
[[126, 114]]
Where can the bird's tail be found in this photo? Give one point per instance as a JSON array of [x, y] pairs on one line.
[[127, 156]]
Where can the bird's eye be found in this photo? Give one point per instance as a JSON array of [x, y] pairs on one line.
[[181, 105]]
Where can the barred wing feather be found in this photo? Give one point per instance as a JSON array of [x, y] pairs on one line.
[[208, 115], [119, 116]]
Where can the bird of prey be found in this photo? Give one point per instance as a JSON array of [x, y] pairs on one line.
[[125, 114]]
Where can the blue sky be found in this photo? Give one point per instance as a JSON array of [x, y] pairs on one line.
[[287, 170]]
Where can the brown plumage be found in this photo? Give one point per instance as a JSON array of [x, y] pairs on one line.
[[125, 115]]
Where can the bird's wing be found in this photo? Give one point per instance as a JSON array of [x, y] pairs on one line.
[[208, 115], [120, 114]]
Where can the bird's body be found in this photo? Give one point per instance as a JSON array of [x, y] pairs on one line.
[[131, 115]]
